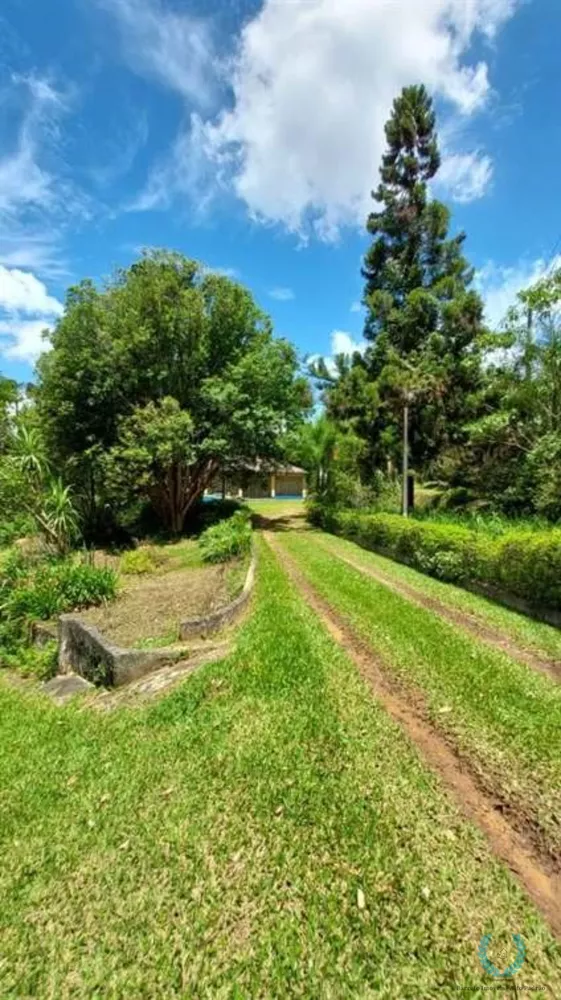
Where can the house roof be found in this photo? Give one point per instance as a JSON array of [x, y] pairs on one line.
[[285, 468]]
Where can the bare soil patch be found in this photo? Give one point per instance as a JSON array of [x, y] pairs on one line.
[[150, 607], [512, 837], [469, 623]]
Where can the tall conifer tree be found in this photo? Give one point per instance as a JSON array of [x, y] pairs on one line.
[[424, 320]]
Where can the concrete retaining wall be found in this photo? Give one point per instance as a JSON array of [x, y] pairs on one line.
[[85, 651], [213, 622]]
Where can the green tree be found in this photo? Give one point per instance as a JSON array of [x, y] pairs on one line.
[[165, 350], [8, 402], [424, 322], [513, 456], [313, 447], [152, 460]]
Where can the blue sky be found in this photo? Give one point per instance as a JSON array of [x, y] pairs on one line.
[[248, 134]]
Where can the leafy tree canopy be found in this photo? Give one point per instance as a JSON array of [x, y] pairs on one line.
[[170, 371], [8, 400], [512, 459]]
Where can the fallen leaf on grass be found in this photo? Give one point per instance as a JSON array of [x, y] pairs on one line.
[[360, 900]]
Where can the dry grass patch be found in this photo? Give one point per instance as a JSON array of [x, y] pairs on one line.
[[162, 585], [152, 606]]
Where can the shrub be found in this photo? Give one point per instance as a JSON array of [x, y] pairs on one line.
[[32, 661], [205, 513], [57, 518], [137, 561], [29, 593], [521, 562], [227, 539], [16, 527]]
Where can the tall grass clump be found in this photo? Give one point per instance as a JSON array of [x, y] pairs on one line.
[[227, 540]]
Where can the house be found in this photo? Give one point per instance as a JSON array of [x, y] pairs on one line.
[[260, 480]]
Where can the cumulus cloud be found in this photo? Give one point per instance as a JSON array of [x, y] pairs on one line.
[[312, 87], [23, 292], [26, 309], [344, 343], [22, 340], [282, 294], [499, 285]]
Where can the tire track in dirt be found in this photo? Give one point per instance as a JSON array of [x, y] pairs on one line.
[[472, 625], [536, 875]]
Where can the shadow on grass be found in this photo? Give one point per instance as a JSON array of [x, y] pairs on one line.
[[283, 522]]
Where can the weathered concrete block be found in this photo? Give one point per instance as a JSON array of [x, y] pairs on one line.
[[84, 650], [66, 686]]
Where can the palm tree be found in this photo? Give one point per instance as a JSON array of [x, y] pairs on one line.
[[317, 450]]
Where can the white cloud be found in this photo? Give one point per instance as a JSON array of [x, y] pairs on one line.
[[341, 343], [224, 272], [282, 294], [23, 181], [35, 201], [23, 292], [313, 84], [37, 251], [465, 176], [175, 48], [120, 154], [344, 343], [499, 284], [26, 309], [356, 307], [181, 171], [22, 340]]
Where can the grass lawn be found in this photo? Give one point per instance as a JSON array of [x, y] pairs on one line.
[[277, 508], [533, 635], [264, 832], [503, 715]]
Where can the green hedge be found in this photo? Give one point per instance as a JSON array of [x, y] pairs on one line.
[[524, 564]]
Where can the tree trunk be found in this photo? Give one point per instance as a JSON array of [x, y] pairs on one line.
[[180, 489]]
